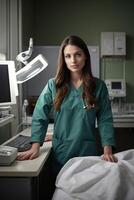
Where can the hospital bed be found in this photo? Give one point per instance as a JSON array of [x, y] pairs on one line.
[[92, 178]]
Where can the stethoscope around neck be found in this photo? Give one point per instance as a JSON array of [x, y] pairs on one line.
[[86, 106]]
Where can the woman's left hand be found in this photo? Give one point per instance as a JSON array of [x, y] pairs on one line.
[[108, 155]]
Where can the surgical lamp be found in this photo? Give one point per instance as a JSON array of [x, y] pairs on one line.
[[31, 68]]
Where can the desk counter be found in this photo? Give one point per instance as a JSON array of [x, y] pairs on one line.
[[27, 168]]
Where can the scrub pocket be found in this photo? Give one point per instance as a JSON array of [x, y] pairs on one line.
[[60, 150]]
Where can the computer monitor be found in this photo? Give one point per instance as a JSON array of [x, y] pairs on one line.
[[8, 83]]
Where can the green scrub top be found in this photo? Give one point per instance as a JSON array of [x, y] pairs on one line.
[[74, 126]]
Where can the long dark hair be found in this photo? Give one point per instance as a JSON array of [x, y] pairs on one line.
[[62, 77]]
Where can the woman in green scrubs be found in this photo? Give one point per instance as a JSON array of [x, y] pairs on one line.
[[79, 101]]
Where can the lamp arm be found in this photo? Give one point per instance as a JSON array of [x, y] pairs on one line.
[[25, 55]]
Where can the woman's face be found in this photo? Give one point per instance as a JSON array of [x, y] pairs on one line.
[[74, 58]]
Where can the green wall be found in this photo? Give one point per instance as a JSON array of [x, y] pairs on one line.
[[50, 21]]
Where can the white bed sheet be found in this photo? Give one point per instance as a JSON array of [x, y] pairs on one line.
[[91, 178]]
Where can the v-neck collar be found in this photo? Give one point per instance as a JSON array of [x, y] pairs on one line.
[[79, 89]]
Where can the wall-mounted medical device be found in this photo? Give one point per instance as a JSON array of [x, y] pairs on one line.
[[113, 44], [116, 87]]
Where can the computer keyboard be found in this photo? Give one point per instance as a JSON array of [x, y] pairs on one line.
[[21, 142]]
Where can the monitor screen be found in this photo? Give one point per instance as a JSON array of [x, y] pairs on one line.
[[8, 84], [116, 85]]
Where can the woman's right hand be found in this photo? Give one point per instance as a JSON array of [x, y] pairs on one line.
[[30, 154]]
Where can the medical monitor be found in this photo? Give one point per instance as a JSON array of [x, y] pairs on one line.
[[116, 87], [8, 84]]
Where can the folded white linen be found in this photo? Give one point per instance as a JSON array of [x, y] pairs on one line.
[[91, 178]]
